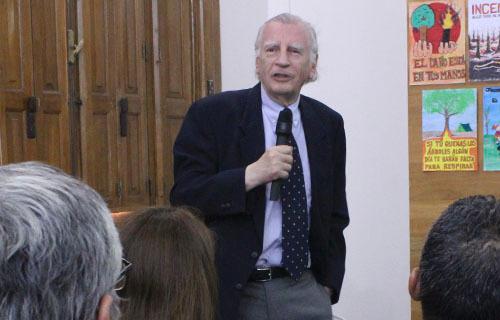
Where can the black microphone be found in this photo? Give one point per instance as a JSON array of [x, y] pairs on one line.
[[283, 133]]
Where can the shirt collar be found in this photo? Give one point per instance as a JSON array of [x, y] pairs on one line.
[[272, 109]]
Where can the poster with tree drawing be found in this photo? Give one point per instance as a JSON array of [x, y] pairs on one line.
[[449, 130], [484, 40], [491, 128], [436, 53]]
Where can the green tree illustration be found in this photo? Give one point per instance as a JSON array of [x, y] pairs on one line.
[[448, 103], [422, 19]]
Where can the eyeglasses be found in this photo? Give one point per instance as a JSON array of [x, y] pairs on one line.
[[120, 283]]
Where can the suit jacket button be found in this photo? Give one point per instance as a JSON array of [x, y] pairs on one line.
[[238, 286], [254, 254]]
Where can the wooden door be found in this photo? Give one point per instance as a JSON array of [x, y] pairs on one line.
[[51, 81], [113, 88], [131, 89], [186, 68], [16, 76], [119, 76], [97, 89], [33, 82], [174, 78]]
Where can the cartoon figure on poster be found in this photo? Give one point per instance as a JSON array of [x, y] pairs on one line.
[[491, 128], [437, 45], [484, 40], [449, 132]]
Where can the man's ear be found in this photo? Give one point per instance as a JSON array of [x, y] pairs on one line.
[[103, 313], [414, 284]]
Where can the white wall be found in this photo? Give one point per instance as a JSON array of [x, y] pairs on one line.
[[363, 75], [239, 22]]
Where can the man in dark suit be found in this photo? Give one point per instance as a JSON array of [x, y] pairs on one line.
[[276, 259]]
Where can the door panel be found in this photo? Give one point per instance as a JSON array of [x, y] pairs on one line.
[[131, 79], [100, 175], [175, 54], [112, 71], [175, 74], [14, 137], [48, 48], [15, 34], [16, 80], [97, 85], [50, 81], [33, 63]]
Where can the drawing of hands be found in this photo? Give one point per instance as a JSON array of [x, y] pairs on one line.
[[422, 49], [447, 47]]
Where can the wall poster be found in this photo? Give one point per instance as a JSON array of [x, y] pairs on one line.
[[449, 130], [484, 40], [436, 42], [491, 128]]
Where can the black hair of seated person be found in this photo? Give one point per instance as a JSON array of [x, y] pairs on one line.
[[460, 263], [173, 268]]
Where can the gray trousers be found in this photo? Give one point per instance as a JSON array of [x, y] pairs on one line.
[[285, 299]]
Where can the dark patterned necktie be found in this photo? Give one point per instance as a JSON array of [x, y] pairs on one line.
[[295, 233]]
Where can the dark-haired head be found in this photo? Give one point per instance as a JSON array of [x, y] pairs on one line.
[[459, 274]]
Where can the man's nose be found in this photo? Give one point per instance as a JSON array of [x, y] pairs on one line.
[[282, 59]]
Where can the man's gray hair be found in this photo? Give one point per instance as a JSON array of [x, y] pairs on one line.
[[288, 18], [59, 249]]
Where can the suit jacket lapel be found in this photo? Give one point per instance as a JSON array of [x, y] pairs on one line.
[[316, 142], [252, 142], [252, 146]]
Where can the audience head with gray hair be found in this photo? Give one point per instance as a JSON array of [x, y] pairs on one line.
[[459, 274], [60, 254]]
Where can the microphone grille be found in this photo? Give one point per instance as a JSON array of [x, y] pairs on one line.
[[284, 124]]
